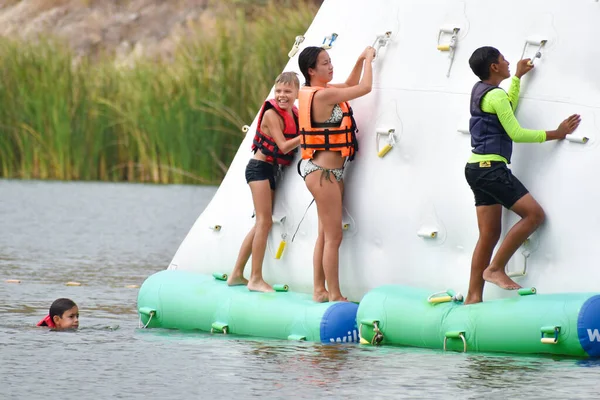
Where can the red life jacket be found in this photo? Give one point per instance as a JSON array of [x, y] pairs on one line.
[[266, 144], [47, 321]]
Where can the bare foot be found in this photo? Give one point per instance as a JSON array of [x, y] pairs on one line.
[[259, 286], [237, 281], [499, 278], [472, 300], [321, 297], [340, 298]]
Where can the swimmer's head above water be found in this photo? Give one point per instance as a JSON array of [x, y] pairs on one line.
[[63, 314]]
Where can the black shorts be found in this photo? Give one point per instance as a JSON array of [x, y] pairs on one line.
[[258, 170], [493, 183]]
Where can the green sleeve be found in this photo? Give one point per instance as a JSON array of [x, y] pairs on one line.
[[498, 102], [513, 92]]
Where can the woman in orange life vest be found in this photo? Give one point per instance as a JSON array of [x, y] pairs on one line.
[[276, 138], [327, 131]]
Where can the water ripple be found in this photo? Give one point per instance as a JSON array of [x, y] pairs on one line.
[[108, 236]]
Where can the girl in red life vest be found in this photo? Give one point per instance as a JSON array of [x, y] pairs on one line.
[[328, 140], [274, 144], [64, 314]]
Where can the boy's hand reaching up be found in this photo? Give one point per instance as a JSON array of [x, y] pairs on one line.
[[523, 67]]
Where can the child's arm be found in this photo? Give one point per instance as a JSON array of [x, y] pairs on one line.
[[513, 92], [335, 95], [497, 102], [271, 125], [522, 135], [354, 77], [523, 67]]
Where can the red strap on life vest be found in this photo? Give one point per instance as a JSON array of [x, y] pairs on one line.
[[47, 321]]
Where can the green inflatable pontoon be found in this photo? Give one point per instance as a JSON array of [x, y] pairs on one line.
[[191, 301], [564, 324]]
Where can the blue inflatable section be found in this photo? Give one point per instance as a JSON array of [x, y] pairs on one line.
[[339, 324], [588, 326]]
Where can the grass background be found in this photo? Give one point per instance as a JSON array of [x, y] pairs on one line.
[[163, 121]]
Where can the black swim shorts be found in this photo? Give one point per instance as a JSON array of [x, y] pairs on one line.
[[258, 170], [492, 183]]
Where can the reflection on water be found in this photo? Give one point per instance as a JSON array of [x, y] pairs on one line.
[[312, 365], [109, 236], [498, 372]]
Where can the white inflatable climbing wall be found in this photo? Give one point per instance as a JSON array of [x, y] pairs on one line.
[[409, 215]]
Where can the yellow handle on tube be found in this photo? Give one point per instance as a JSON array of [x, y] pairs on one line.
[[441, 299], [548, 340], [443, 47], [280, 250], [384, 150]]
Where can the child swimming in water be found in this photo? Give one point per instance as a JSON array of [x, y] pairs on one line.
[[63, 314]]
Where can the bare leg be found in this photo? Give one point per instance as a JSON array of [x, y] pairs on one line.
[[532, 216], [341, 186], [320, 294], [489, 221], [320, 291], [237, 275], [263, 206], [328, 199]]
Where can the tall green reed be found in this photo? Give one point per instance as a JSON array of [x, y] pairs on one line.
[[175, 121]]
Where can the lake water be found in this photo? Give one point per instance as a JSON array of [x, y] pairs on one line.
[[108, 236]]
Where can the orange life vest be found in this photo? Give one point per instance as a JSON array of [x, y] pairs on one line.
[[47, 321], [266, 144], [325, 136]]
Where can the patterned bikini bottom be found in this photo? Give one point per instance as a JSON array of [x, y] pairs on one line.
[[326, 173]]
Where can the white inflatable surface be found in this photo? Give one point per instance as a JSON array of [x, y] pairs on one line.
[[396, 203]]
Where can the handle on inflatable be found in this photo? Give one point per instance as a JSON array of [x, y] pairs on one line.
[[281, 288], [219, 276]]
